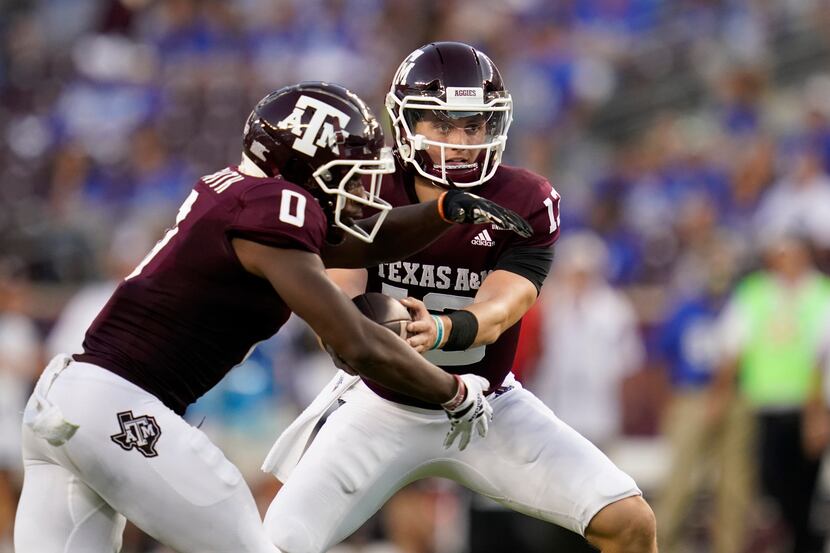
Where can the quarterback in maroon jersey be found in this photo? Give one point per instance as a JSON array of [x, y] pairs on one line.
[[103, 437], [469, 289]]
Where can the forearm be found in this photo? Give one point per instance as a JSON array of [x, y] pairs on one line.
[[413, 228], [502, 300], [405, 231], [393, 364], [299, 278], [492, 322]]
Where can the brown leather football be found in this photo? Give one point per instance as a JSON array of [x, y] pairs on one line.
[[384, 310]]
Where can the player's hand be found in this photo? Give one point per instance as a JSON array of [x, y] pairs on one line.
[[465, 208], [472, 414], [421, 332]]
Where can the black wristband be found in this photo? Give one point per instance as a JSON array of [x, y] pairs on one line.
[[463, 332]]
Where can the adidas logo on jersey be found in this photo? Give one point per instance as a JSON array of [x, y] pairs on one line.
[[483, 239]]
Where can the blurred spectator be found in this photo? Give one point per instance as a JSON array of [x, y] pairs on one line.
[[752, 171], [773, 330], [800, 201], [529, 347], [740, 112], [606, 217], [129, 245], [703, 457], [159, 179], [112, 95], [697, 234], [19, 361], [817, 117], [590, 341], [588, 344]]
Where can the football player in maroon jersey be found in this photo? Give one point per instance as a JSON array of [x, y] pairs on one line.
[[469, 289], [104, 439]]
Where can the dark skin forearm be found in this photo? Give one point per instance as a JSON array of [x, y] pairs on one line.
[[390, 362], [300, 279], [405, 231]]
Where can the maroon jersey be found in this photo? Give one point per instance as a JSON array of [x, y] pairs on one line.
[[190, 312], [449, 272]]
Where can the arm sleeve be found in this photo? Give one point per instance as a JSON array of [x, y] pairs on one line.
[[282, 217], [531, 262]]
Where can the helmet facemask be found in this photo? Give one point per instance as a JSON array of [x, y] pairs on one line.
[[357, 181], [483, 125]]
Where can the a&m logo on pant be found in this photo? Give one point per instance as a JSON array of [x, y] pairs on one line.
[[140, 433]]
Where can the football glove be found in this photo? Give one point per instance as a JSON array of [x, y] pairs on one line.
[[462, 207], [468, 411]]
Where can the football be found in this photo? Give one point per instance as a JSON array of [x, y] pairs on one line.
[[384, 310]]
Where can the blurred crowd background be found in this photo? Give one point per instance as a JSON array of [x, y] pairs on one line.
[[689, 139]]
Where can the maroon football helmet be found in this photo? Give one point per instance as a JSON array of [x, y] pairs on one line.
[[450, 83], [323, 137]]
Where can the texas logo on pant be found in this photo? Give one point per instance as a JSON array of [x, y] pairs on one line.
[[140, 433]]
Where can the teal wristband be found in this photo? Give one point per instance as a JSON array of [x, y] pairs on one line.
[[439, 331]]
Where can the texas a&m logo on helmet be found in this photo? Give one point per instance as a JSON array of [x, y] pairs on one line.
[[320, 129]]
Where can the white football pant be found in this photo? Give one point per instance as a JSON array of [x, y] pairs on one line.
[[76, 495], [369, 448]]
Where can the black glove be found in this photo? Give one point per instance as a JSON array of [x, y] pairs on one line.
[[463, 207]]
